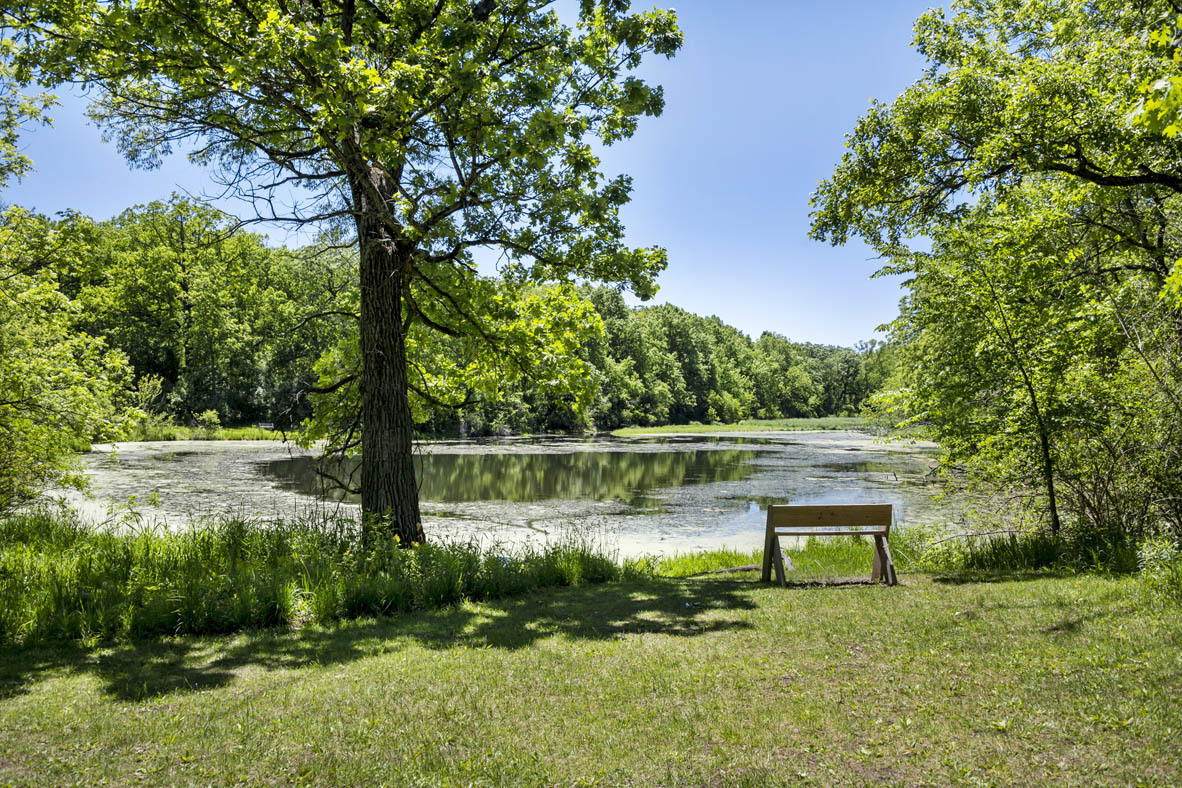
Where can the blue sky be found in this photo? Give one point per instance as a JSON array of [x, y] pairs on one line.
[[757, 106]]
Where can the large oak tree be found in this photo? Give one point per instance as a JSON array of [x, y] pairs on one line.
[[431, 128]]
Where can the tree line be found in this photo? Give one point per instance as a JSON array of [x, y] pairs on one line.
[[657, 365]]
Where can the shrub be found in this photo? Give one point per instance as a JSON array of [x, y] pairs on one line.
[[1160, 562], [208, 424]]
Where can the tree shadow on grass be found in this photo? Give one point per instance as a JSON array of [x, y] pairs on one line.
[[834, 582], [999, 576], [145, 669], [1072, 622]]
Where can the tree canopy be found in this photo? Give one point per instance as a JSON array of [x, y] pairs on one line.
[[59, 387], [1036, 214]]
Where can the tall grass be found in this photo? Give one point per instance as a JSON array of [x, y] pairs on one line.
[[1076, 551], [695, 563], [64, 579]]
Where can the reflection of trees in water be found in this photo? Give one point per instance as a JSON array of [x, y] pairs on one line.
[[536, 477]]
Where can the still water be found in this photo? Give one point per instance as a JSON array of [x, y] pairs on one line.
[[657, 494], [630, 478]]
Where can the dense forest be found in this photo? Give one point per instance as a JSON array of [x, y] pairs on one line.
[[663, 365]]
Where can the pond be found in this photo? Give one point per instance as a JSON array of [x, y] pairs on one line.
[[640, 495]]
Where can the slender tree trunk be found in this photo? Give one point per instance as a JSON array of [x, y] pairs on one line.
[[1044, 437], [389, 494], [1044, 444], [1048, 472]]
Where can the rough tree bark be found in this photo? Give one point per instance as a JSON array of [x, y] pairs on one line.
[[389, 493]]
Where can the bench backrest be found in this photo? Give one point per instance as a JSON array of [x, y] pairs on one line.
[[875, 518]]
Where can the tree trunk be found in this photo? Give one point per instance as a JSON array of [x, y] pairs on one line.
[[1044, 445], [389, 494], [1044, 437], [1048, 473]]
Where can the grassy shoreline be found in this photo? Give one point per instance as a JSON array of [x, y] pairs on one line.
[[63, 578], [178, 432], [753, 425]]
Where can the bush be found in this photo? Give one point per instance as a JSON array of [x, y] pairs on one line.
[[208, 424], [62, 579], [1160, 562], [158, 428]]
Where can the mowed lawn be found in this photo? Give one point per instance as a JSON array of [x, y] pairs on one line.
[[711, 681]]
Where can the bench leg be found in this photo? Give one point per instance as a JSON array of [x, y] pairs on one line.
[[769, 544], [774, 558], [779, 558], [884, 567], [879, 561], [889, 565]]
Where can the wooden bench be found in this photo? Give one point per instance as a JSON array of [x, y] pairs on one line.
[[848, 520]]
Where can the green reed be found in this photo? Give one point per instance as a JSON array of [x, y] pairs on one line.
[[64, 579]]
